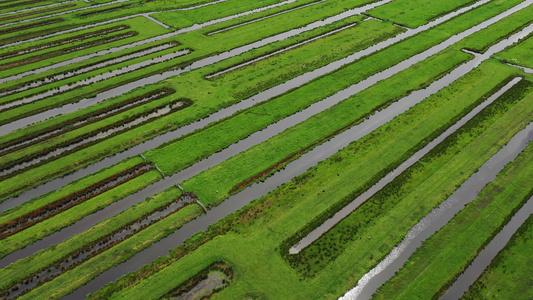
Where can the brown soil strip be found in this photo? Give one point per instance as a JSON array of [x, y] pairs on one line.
[[36, 12], [29, 26], [89, 118], [77, 38], [43, 213], [56, 53]]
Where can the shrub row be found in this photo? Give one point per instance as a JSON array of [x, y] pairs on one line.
[[62, 204], [186, 103], [73, 39], [30, 26], [56, 53], [89, 118], [87, 251], [31, 13]]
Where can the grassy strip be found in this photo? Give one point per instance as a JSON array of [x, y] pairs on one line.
[[71, 188], [220, 10], [52, 80], [519, 54], [415, 14], [89, 131], [275, 46], [25, 267], [143, 28], [81, 37], [81, 121], [166, 123], [73, 279], [483, 39], [209, 104], [263, 159], [445, 255], [397, 207], [33, 14], [347, 39], [255, 232], [178, 155], [353, 73], [63, 204], [508, 276], [28, 26], [57, 222]]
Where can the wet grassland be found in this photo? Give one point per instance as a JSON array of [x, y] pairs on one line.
[[69, 139]]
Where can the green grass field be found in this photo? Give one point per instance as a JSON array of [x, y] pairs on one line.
[[100, 78], [506, 276]]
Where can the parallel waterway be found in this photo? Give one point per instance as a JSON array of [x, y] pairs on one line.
[[297, 167], [62, 13], [205, 62], [354, 133], [95, 79], [70, 73], [263, 96], [486, 256], [440, 216], [348, 209], [254, 139]]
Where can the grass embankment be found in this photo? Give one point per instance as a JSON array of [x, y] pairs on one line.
[[55, 223], [259, 161], [66, 190], [143, 28], [41, 260], [520, 54], [122, 142], [483, 39], [351, 40], [208, 103], [392, 211], [321, 87], [73, 279], [187, 150], [413, 14], [445, 255], [40, 12], [508, 276], [257, 231]]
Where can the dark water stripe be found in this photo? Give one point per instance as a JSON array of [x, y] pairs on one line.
[[440, 216], [465, 280], [348, 209], [265, 17], [297, 167], [92, 80], [62, 13], [83, 69], [81, 255], [36, 8], [158, 186]]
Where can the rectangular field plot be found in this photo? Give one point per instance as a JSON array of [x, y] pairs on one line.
[[416, 13]]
